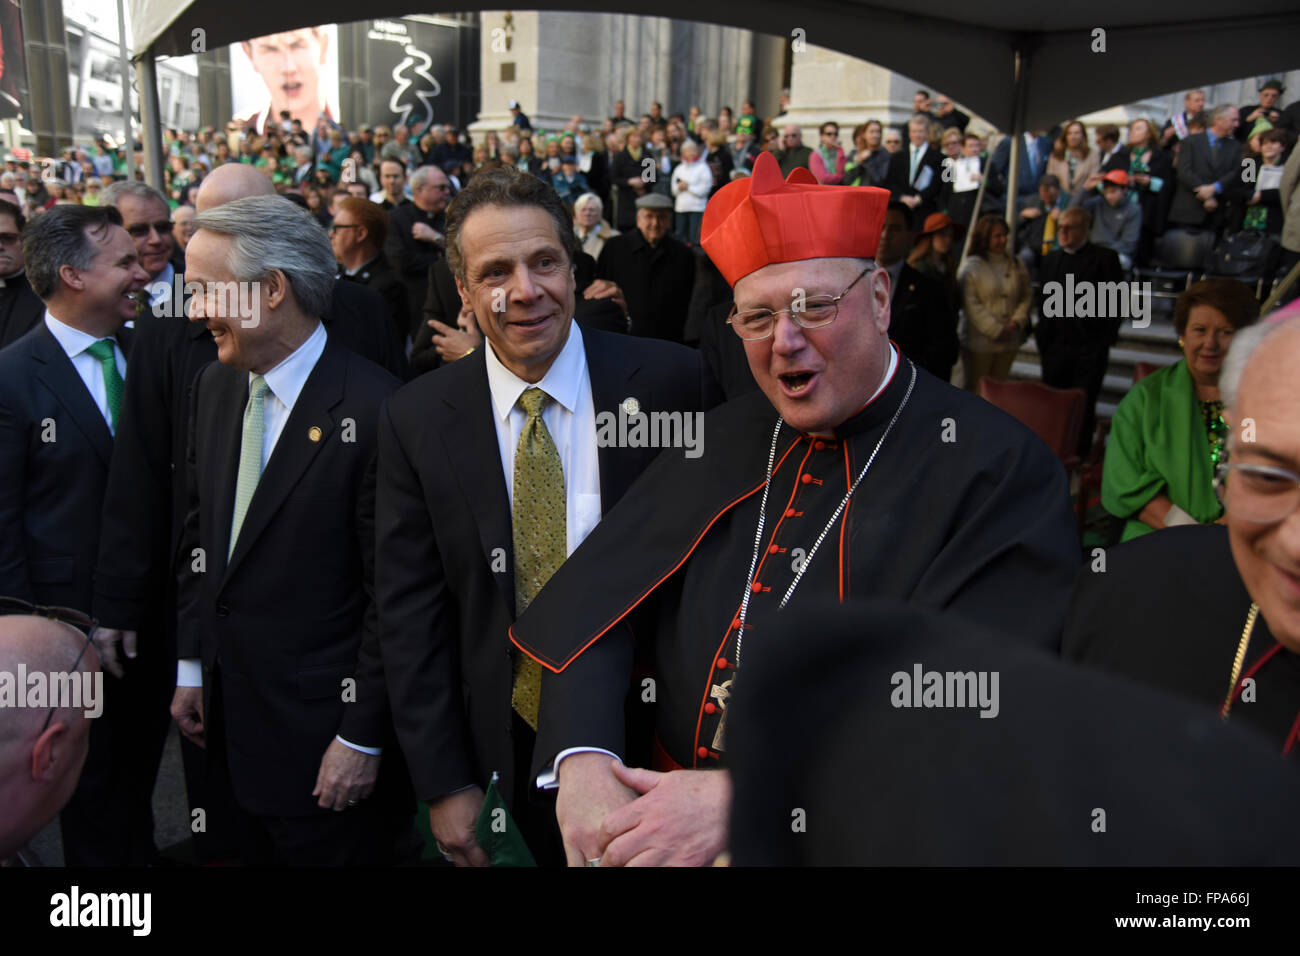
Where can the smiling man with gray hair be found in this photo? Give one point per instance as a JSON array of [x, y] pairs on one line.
[[279, 675]]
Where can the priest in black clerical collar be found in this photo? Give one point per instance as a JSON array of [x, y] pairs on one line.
[[850, 473], [1213, 613]]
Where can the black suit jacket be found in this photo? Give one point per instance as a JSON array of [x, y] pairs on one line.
[[20, 310], [657, 282], [55, 449], [290, 616], [378, 274], [1199, 165], [444, 563], [900, 184], [146, 501], [922, 323], [409, 256]]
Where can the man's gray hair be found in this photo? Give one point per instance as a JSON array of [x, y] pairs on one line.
[[270, 232], [1242, 348], [1218, 111], [126, 187], [421, 176]]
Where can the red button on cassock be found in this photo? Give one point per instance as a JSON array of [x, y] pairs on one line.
[[819, 445], [806, 479], [703, 752], [722, 664], [773, 549], [756, 587], [710, 708], [789, 512], [735, 622]]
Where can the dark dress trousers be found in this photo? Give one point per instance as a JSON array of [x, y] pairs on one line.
[[444, 567], [288, 620]]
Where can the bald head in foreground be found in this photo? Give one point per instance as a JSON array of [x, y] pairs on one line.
[[41, 753]]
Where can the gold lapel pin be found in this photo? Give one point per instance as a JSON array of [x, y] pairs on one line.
[[631, 406], [314, 433]]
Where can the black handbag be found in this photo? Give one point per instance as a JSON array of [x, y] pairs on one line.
[[1244, 255]]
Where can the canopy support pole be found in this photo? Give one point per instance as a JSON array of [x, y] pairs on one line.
[[1019, 101], [150, 123], [127, 126]]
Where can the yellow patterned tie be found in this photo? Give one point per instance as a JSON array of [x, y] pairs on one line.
[[250, 456], [539, 534]]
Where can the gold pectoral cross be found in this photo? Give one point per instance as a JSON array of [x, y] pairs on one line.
[[721, 693]]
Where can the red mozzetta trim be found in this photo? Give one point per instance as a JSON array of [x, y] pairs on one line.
[[545, 662]]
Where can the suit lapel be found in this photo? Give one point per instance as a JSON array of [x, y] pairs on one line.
[[295, 449], [467, 420], [59, 376], [611, 383], [221, 428]]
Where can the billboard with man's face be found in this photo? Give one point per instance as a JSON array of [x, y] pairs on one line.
[[13, 61], [296, 70]]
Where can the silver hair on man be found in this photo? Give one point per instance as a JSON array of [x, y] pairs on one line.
[[270, 233], [126, 187], [1242, 348]]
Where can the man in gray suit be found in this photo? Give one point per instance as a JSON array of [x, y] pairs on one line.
[[1209, 172]]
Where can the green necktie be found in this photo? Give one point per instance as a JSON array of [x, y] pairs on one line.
[[539, 534], [250, 456], [916, 156], [113, 385]]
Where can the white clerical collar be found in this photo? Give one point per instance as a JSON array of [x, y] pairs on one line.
[[561, 381], [888, 376], [287, 379]]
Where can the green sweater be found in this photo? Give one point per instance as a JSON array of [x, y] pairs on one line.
[[1158, 446]]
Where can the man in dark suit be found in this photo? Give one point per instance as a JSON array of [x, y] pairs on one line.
[[654, 270], [357, 235], [415, 234], [20, 307], [145, 503], [1074, 344], [278, 669], [921, 322], [1208, 172], [625, 176], [915, 175], [491, 472], [1034, 151], [60, 395]]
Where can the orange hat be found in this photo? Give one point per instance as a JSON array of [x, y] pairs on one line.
[[761, 219], [1116, 176]]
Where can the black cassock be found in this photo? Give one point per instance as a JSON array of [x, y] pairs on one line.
[[1169, 611], [963, 509]]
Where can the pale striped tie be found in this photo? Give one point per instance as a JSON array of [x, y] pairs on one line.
[[250, 456], [539, 534]]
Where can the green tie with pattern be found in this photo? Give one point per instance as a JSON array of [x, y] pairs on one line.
[[113, 385], [250, 456], [539, 534]]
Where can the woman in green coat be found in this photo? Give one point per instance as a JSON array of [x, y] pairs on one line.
[[1168, 435]]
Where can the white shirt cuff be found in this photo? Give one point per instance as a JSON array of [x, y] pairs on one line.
[[549, 779], [373, 751], [189, 672]]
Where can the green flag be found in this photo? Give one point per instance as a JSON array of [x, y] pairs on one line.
[[497, 833]]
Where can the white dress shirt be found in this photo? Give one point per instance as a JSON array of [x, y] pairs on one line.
[[74, 343], [570, 418]]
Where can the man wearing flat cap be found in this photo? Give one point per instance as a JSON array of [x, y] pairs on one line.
[[655, 271], [851, 473]]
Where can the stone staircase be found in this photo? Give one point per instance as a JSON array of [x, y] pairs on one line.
[[1157, 343]]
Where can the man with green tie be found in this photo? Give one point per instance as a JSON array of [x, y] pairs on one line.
[[60, 393]]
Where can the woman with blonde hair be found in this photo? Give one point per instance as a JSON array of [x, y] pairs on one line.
[[1073, 160], [995, 292]]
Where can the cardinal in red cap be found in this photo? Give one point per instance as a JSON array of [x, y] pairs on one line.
[[849, 474]]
